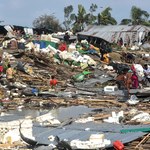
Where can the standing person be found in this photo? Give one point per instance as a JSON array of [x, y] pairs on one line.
[[120, 42], [135, 81], [66, 37], [128, 80], [1, 68], [1, 72], [146, 70], [10, 74], [120, 80], [122, 83], [102, 50]]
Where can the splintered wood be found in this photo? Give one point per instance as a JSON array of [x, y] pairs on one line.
[[101, 102], [144, 144]]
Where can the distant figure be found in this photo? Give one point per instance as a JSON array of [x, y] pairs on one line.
[[1, 68], [62, 46], [1, 72], [135, 81], [120, 81], [120, 42], [146, 70], [10, 74], [53, 82], [127, 57], [128, 80], [102, 50], [106, 58], [13, 44], [124, 48], [66, 37]]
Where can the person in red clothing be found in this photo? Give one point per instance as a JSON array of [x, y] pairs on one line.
[[62, 46], [135, 82], [1, 68], [1, 71], [53, 82]]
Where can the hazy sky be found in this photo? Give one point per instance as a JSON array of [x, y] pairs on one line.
[[23, 12]]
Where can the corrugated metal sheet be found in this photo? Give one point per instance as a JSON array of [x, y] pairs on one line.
[[112, 33], [78, 131]]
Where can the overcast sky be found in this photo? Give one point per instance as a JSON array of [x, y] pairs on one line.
[[23, 12]]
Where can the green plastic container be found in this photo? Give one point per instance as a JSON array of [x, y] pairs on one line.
[[86, 72], [53, 44], [80, 77], [82, 51]]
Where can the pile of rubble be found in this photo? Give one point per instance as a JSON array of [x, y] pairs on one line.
[[85, 80]]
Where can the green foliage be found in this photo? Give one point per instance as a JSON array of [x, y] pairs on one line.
[[80, 19], [83, 18], [68, 16], [47, 22], [91, 18], [105, 18], [93, 8], [146, 23], [77, 22], [139, 16], [125, 21]]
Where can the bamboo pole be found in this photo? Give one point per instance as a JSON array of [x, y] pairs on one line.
[[143, 140]]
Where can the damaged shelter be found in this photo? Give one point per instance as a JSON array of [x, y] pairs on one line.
[[113, 33], [23, 30]]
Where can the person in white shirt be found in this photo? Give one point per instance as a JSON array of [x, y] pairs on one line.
[[146, 70]]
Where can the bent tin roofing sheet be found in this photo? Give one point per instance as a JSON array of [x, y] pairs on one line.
[[79, 131], [112, 33]]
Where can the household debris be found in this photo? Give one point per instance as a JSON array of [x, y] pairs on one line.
[[86, 79]]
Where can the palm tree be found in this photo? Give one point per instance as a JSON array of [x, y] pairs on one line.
[[80, 19], [105, 18], [91, 18], [138, 16]]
